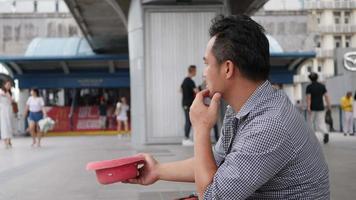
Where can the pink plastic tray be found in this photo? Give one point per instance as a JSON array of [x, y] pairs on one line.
[[118, 170]]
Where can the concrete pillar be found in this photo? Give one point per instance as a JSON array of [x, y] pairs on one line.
[[327, 42], [137, 73], [326, 18], [163, 41], [343, 41], [61, 98], [315, 65], [353, 25], [289, 90], [353, 41], [328, 68], [298, 92], [23, 96]]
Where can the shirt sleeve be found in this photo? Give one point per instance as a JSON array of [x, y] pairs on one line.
[[193, 84], [218, 152], [42, 102], [254, 160]]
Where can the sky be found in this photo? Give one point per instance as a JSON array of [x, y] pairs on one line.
[[283, 5]]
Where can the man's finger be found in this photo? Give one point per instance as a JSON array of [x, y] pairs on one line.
[[200, 95], [215, 101], [131, 181]]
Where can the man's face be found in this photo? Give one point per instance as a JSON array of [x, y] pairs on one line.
[[214, 78], [349, 94], [194, 72]]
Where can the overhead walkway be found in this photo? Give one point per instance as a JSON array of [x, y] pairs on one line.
[[104, 23], [67, 63]]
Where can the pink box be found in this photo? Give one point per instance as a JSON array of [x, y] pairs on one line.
[[118, 170]]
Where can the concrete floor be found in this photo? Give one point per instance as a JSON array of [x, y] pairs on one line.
[[57, 170]]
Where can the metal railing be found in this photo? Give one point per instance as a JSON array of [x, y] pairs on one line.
[[337, 4], [337, 28]]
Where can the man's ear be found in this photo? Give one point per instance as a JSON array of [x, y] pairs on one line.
[[229, 69]]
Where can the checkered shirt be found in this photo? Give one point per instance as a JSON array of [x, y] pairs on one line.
[[274, 153]]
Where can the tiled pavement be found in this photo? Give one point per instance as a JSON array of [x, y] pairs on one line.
[[56, 171]]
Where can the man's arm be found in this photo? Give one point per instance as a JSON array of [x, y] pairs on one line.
[[205, 166], [327, 99], [152, 171], [309, 103], [181, 171], [203, 118]]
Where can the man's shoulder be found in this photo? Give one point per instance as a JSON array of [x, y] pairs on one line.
[[186, 80]]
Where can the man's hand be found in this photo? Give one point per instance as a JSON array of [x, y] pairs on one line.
[[309, 110], [203, 116], [148, 173]]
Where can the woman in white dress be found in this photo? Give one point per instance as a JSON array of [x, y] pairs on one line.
[[6, 113], [121, 114], [36, 111], [354, 115]]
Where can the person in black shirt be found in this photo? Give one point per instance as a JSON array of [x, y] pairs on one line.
[[315, 105], [102, 113], [189, 90]]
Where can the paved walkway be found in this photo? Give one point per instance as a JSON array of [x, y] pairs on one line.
[[57, 170]]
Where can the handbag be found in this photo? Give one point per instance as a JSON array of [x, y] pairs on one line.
[[15, 108]]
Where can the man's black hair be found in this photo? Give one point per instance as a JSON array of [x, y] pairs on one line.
[[313, 77], [242, 41], [191, 68]]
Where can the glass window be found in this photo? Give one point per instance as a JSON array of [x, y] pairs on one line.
[[57, 6], [309, 69], [319, 68], [337, 41], [347, 17], [318, 16], [317, 41], [337, 16], [14, 6], [35, 6], [347, 41]]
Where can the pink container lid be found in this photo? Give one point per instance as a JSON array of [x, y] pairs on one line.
[[118, 170], [114, 163]]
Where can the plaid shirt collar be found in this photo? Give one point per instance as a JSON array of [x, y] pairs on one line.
[[261, 91]]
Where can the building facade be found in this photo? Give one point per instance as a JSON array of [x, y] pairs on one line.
[[334, 24], [22, 21]]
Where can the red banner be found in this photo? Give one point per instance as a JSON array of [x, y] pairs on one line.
[[83, 118]]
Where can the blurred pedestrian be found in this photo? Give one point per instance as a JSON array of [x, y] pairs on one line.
[[300, 107], [354, 113], [121, 114], [346, 107], [35, 111], [207, 101], [329, 120], [315, 105], [188, 89], [6, 113], [102, 113]]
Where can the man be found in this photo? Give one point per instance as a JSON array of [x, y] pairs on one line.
[[102, 113], [189, 90], [315, 105], [266, 149], [346, 106]]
